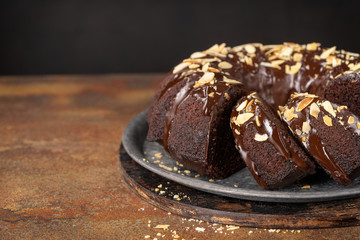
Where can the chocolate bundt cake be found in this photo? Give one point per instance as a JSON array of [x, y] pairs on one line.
[[191, 109], [330, 133], [266, 146]]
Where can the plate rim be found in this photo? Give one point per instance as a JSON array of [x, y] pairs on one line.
[[139, 121]]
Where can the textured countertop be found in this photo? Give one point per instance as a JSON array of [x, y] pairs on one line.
[[59, 174]]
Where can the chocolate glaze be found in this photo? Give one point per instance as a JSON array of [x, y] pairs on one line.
[[312, 141]]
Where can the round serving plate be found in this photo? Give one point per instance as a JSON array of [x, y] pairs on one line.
[[241, 185]]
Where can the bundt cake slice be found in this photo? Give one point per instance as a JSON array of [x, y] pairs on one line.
[[270, 152], [191, 111], [330, 133]]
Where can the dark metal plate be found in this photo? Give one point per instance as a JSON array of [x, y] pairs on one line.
[[239, 185]]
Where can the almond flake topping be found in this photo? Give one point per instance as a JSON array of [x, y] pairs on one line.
[[250, 48], [206, 78], [304, 103], [261, 137], [248, 60], [328, 107], [197, 55], [327, 52], [180, 67], [297, 57], [267, 64], [193, 66], [351, 120], [205, 67], [286, 52], [241, 106], [211, 69], [289, 114], [257, 121], [306, 127], [339, 108], [230, 81], [327, 120], [293, 69], [298, 131], [225, 65], [312, 46], [237, 132], [249, 106], [226, 95], [243, 118], [314, 110], [355, 68]]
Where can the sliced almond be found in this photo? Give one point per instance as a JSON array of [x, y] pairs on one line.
[[297, 57], [304, 103], [206, 78], [327, 52], [314, 110], [327, 120], [248, 60], [312, 46], [211, 94], [328, 107], [225, 65], [243, 118], [339, 108], [267, 64], [249, 106], [205, 67], [226, 95], [306, 127], [257, 121], [241, 106], [298, 132], [250, 48], [289, 114], [351, 120], [197, 55], [211, 69], [261, 137], [286, 52], [293, 69], [237, 132], [180, 67], [230, 81], [194, 65]]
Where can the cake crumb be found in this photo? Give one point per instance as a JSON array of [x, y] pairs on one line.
[[162, 226], [200, 229]]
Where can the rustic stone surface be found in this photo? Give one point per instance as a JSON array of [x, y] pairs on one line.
[[59, 175]]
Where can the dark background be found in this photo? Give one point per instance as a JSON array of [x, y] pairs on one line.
[[72, 36]]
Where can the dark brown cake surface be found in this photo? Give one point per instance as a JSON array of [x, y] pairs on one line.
[[268, 149], [330, 133]]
